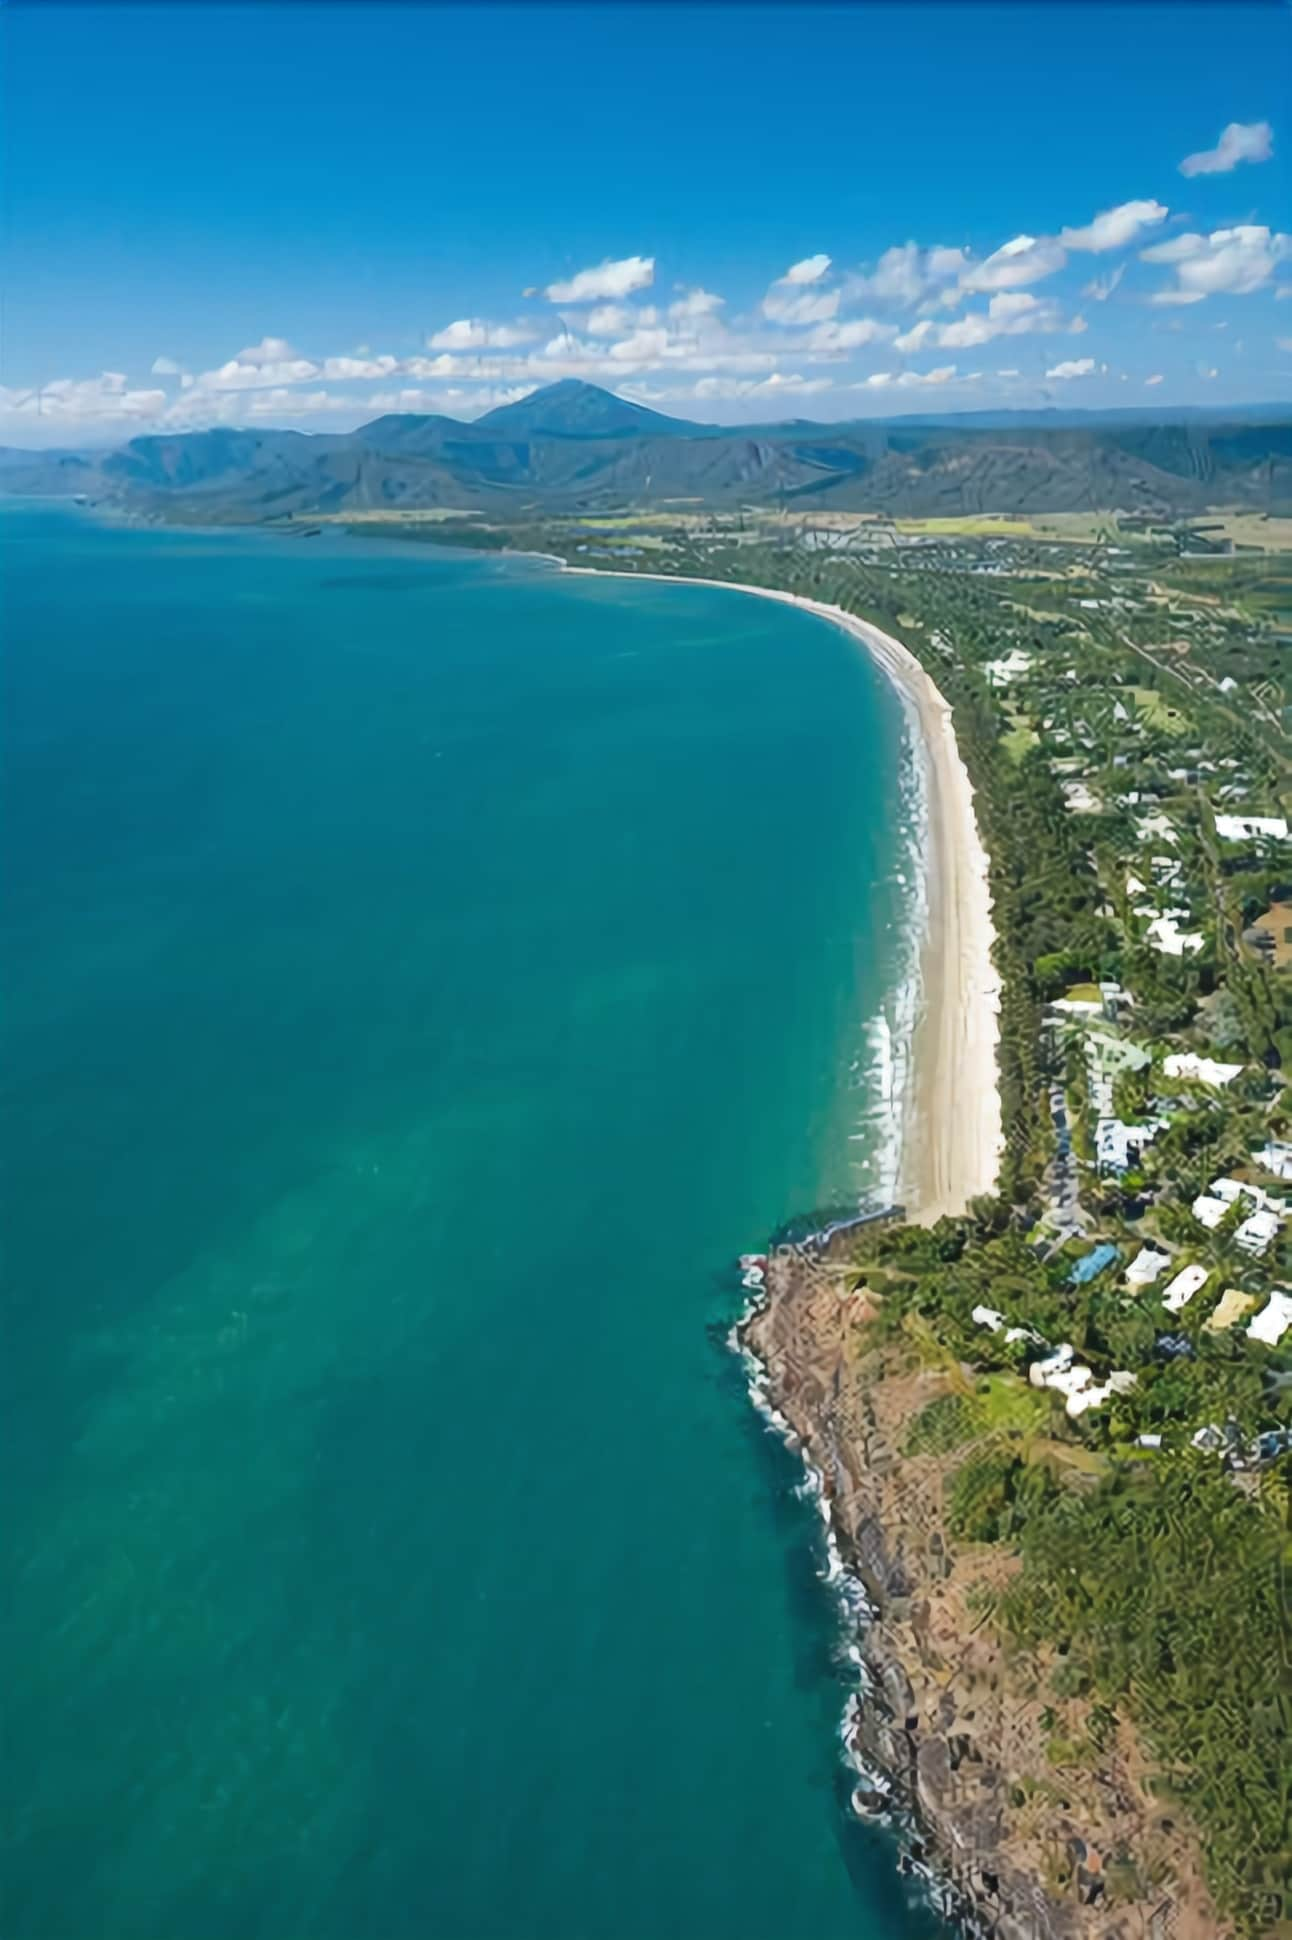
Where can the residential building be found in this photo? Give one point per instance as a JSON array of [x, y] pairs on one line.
[[1273, 1321], [1244, 828], [1180, 1291], [1207, 1071]]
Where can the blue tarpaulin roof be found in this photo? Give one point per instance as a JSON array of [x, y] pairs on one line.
[[1094, 1262]]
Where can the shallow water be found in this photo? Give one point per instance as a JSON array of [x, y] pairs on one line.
[[424, 975]]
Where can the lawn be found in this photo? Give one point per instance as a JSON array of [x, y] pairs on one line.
[[1159, 712]]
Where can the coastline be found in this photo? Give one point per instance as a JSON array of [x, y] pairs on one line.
[[944, 1733], [950, 1137]]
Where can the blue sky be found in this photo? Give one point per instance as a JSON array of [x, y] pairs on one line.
[[307, 215]]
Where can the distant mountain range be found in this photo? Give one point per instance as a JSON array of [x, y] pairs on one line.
[[574, 447]]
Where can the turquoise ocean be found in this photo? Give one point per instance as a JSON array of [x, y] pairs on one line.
[[422, 976]]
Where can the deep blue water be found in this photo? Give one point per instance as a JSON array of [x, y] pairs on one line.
[[422, 976]]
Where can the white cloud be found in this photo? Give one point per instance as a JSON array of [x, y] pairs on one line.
[[607, 283], [909, 379], [106, 398], [780, 307], [788, 383], [1011, 313], [1100, 288], [793, 381], [852, 335], [616, 319], [341, 370], [1242, 141], [296, 404], [473, 333], [810, 270], [1231, 262], [454, 401], [270, 363], [1073, 367], [643, 347], [694, 304], [914, 338], [1115, 228], [165, 367], [1284, 343], [1156, 378], [967, 332], [906, 273], [1025, 259], [270, 350], [792, 299], [1013, 303]]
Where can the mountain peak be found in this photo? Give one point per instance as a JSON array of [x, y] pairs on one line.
[[574, 409]]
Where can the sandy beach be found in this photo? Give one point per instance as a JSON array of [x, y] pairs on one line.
[[951, 1138]]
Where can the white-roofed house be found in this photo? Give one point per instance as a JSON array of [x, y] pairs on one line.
[[1276, 1157], [1118, 1145], [1273, 1321], [1243, 828], [1168, 939], [1001, 672], [1207, 1071], [1057, 1362], [1231, 1190], [1257, 1233], [1208, 1210], [1120, 1381], [1181, 1289], [1147, 1266]]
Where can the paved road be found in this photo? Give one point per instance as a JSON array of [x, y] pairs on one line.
[[1065, 1207]]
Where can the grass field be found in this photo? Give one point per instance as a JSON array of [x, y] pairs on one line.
[[1018, 740], [984, 526], [1159, 712]]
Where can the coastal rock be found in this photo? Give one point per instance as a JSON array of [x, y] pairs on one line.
[[960, 1729]]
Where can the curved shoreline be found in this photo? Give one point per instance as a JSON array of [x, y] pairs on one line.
[[951, 1134]]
